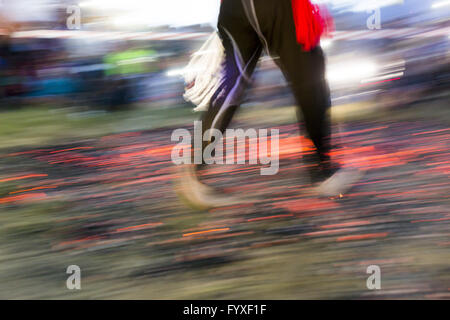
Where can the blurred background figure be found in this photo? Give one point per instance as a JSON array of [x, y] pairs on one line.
[[90, 93], [126, 68]]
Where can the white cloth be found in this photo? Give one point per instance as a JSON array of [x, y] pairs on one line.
[[206, 69]]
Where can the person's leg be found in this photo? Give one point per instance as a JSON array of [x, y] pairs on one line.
[[311, 91], [242, 52], [305, 72]]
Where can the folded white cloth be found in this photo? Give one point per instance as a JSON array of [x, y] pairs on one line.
[[206, 69]]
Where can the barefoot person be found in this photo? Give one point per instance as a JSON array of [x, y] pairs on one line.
[[289, 31]]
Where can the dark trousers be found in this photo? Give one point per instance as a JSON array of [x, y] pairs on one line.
[[247, 27]]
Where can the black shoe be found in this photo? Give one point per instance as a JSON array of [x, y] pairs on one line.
[[319, 170]]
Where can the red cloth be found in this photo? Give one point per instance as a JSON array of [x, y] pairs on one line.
[[311, 23]]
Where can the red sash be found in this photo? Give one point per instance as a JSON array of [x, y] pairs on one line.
[[311, 23]]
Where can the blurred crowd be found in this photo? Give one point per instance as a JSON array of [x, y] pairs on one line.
[[37, 69], [112, 72]]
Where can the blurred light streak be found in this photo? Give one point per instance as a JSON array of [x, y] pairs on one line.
[[346, 224], [204, 232], [355, 95], [72, 149], [139, 227], [121, 135], [387, 77], [80, 240], [428, 132], [27, 152], [352, 71], [179, 72], [303, 205], [342, 134], [271, 217], [440, 4], [397, 33], [363, 236], [23, 197], [326, 43], [328, 232], [155, 12], [378, 82], [430, 220], [33, 189], [24, 177]]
